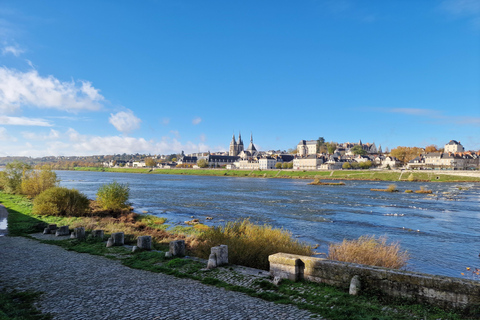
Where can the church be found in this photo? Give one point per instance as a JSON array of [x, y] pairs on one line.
[[237, 148]]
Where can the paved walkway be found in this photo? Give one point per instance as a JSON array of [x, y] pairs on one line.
[[82, 286]]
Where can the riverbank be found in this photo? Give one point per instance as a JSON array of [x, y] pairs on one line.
[[365, 175], [228, 292]]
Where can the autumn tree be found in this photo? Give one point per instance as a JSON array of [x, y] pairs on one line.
[[150, 162], [431, 148], [405, 154]]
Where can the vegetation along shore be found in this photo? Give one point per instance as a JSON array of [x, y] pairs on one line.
[[367, 175]]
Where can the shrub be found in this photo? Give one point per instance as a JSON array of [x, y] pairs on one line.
[[113, 196], [278, 165], [346, 165], [249, 244], [60, 201], [37, 181], [392, 188], [370, 251], [202, 163]]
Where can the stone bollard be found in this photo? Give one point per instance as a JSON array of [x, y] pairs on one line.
[[118, 238], [97, 234], [212, 261], [221, 253], [62, 231], [109, 242], [79, 233], [50, 229], [144, 242], [177, 248], [355, 286]]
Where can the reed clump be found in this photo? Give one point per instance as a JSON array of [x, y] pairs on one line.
[[391, 188], [317, 182], [370, 251], [423, 190], [249, 244]]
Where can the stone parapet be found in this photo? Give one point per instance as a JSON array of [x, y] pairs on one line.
[[446, 292]]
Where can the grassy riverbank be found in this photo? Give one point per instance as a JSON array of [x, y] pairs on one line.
[[326, 301], [372, 175]]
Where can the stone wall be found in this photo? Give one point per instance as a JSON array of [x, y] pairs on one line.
[[446, 292]]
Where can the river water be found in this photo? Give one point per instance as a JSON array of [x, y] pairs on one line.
[[440, 231]]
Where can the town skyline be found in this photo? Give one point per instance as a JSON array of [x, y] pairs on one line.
[[162, 77]]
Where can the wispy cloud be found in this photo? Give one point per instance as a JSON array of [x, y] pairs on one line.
[[469, 9], [19, 89], [24, 121], [125, 121], [431, 114], [415, 112], [15, 50], [197, 120], [52, 135], [175, 133], [165, 121], [4, 136]]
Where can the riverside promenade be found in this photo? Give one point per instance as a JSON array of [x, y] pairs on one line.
[[83, 286]]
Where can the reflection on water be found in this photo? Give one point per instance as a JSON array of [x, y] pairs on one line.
[[441, 231]]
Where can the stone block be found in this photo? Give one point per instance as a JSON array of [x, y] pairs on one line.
[[118, 238], [46, 231], [144, 242], [98, 234], [212, 261], [221, 253], [177, 248], [110, 242], [79, 233], [355, 286], [286, 266], [62, 231]]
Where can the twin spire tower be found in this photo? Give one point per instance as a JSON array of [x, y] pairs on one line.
[[237, 147]]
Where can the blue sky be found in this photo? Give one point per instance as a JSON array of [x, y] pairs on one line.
[[159, 77]]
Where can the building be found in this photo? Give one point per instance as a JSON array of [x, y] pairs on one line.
[[306, 148], [453, 146], [235, 147]]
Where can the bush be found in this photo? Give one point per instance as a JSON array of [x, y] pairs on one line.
[[278, 165], [346, 165], [202, 163], [37, 181], [60, 201], [113, 196], [370, 251], [248, 244]]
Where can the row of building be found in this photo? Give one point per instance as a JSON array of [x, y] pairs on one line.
[[307, 157]]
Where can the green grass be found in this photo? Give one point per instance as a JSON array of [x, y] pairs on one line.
[[20, 221], [385, 175], [15, 305]]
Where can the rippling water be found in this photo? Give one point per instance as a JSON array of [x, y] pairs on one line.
[[441, 231]]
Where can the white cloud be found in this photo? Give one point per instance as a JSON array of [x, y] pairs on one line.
[[52, 135], [203, 137], [23, 121], [4, 136], [19, 89], [125, 121], [165, 121], [197, 120], [15, 50]]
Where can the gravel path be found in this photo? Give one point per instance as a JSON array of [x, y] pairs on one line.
[[82, 286]]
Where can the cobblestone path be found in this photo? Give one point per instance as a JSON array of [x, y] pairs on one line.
[[83, 286]]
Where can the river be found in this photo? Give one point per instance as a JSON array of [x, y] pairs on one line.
[[440, 231]]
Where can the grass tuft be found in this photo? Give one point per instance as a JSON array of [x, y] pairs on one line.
[[249, 244], [370, 251]]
